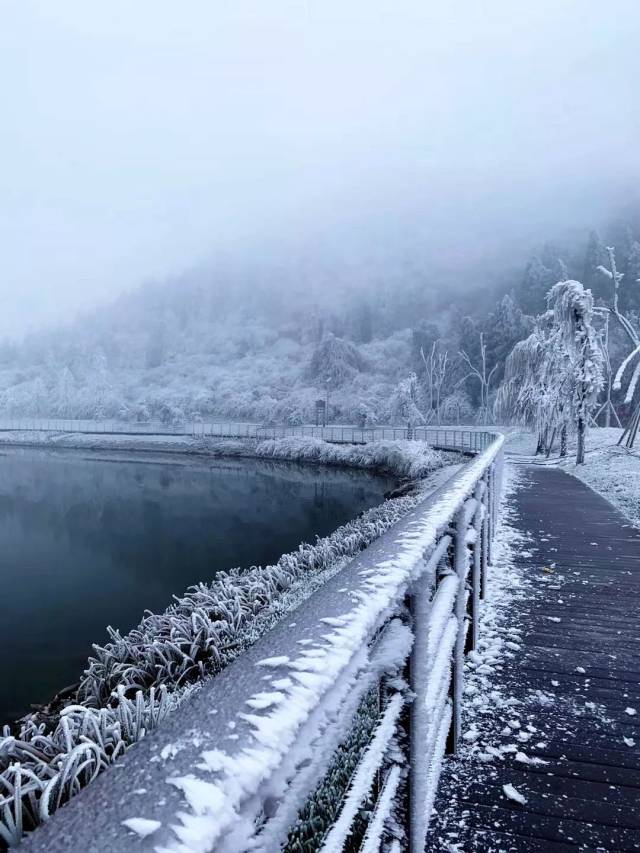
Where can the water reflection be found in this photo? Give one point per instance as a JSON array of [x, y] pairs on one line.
[[87, 541]]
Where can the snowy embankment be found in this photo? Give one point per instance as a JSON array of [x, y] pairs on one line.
[[400, 458], [411, 459], [134, 680]]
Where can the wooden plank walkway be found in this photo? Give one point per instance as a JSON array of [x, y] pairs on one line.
[[576, 679]]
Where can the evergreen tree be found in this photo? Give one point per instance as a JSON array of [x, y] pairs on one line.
[[630, 289], [536, 282], [595, 256], [504, 327]]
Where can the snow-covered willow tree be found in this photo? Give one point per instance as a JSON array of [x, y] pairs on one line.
[[534, 389], [553, 377], [574, 333]]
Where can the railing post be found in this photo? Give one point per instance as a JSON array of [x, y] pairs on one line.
[[485, 538], [476, 572], [420, 604], [490, 515], [460, 566]]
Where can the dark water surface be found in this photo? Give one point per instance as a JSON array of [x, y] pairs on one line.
[[88, 540]]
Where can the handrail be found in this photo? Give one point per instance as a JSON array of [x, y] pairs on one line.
[[438, 437], [372, 661]]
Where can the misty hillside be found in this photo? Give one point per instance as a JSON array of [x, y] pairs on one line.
[[263, 339]]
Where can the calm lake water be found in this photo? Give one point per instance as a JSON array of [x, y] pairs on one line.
[[93, 540]]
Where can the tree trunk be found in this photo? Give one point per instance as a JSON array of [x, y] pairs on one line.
[[550, 445], [563, 440], [542, 441], [582, 428]]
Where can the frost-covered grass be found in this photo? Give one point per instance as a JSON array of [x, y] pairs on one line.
[[136, 679]]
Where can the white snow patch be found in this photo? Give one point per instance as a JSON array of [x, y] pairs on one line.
[[142, 826], [514, 794]]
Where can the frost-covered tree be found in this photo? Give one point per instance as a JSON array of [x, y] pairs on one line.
[[403, 407], [65, 391], [630, 295], [535, 285], [479, 372], [595, 255], [503, 328], [336, 360], [456, 407], [535, 386], [435, 373], [572, 307], [610, 271], [607, 408]]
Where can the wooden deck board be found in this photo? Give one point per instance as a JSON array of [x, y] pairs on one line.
[[587, 658]]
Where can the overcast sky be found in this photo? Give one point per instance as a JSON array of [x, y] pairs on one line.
[[138, 137]]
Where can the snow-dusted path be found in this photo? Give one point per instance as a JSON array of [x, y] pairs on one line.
[[551, 757]]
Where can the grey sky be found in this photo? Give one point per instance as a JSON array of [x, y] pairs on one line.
[[139, 136]]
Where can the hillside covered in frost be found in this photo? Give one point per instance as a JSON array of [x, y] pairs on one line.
[[261, 340]]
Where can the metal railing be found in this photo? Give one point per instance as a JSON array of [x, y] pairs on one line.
[[331, 722], [468, 440]]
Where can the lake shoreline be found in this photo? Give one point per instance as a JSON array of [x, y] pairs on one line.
[[189, 447]]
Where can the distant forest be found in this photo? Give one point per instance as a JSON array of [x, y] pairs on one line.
[[382, 341]]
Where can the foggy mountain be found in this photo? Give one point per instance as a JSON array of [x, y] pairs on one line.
[[311, 191], [263, 337]]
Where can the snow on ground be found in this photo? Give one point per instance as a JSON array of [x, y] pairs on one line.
[[494, 722], [523, 442], [613, 472]]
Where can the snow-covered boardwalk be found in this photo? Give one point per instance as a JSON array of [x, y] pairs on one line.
[[554, 763]]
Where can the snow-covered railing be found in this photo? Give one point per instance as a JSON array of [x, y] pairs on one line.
[[329, 730], [445, 437]]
